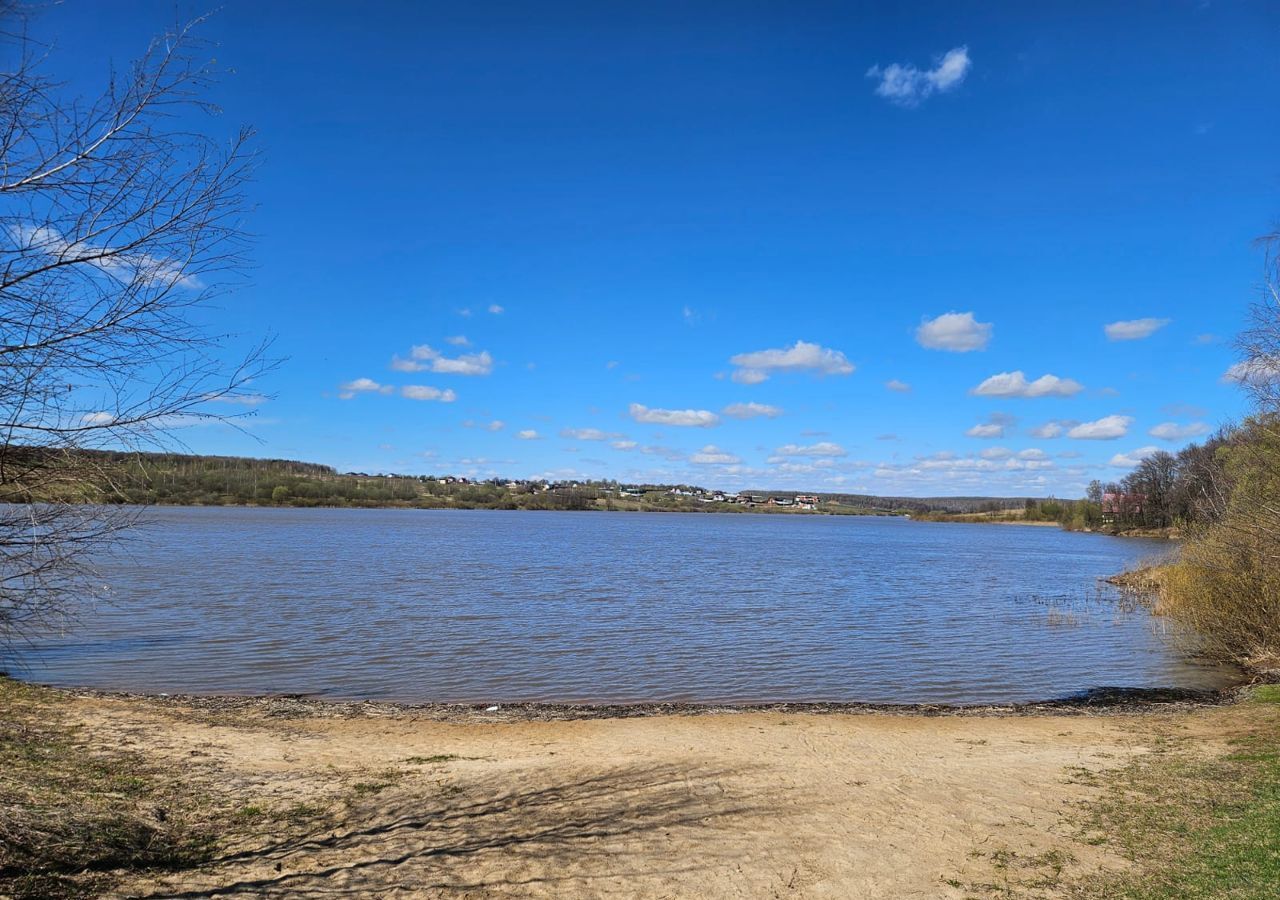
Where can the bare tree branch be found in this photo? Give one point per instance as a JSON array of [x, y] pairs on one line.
[[118, 223]]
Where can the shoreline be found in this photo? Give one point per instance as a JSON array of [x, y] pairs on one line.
[[1103, 701]]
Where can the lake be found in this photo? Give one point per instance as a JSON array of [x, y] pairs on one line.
[[489, 606]]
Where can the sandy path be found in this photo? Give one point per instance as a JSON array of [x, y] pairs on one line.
[[752, 804]]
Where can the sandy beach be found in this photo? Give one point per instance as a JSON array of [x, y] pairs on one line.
[[722, 804]]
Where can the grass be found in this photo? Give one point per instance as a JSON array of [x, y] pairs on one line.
[[1192, 825], [1197, 827], [69, 817], [76, 817]]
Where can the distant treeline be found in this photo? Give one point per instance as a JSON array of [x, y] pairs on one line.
[[194, 480], [1165, 491]]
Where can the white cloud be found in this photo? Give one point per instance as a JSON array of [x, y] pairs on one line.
[[425, 392], [1172, 431], [820, 449], [587, 434], [239, 399], [495, 309], [121, 265], [1133, 457], [528, 434], [623, 445], [1015, 384], [693, 418], [424, 358], [711, 455], [1133, 329], [1052, 429], [749, 376], [458, 340], [97, 419], [756, 366], [751, 411], [906, 85], [996, 453], [901, 387], [1255, 372], [994, 427], [1105, 429], [349, 389], [954, 331], [667, 453]]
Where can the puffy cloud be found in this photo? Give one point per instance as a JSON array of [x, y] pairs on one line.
[[424, 392], [900, 387], [1015, 384], [906, 85], [690, 418], [1105, 429], [751, 411], [996, 453], [528, 434], [818, 450], [349, 389], [994, 427], [711, 455], [1133, 457], [97, 419], [1172, 431], [954, 331], [1052, 429], [423, 358], [1254, 372], [120, 264], [495, 309], [1133, 329], [756, 366]]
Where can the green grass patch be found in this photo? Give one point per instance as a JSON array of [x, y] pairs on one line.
[[1265, 693], [1196, 827]]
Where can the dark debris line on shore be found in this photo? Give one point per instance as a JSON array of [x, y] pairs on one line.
[[1098, 701]]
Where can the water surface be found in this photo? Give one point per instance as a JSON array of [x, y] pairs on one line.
[[489, 606]]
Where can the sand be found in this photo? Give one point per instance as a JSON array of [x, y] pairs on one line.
[[729, 804]]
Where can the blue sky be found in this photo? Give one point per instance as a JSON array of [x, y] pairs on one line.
[[826, 246]]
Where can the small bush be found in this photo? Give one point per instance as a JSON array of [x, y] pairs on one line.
[[1225, 590]]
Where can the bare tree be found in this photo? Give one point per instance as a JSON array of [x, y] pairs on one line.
[[119, 220], [1259, 345]]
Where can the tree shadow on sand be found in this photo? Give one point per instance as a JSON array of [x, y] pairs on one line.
[[489, 837]]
